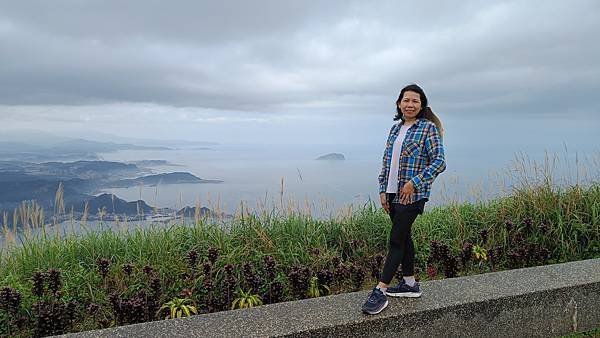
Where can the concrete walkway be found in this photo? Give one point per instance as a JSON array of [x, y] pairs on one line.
[[544, 301]]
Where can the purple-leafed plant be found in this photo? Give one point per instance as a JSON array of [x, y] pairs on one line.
[[544, 228], [528, 223], [213, 254], [483, 234], [148, 270], [466, 253], [54, 281], [38, 283], [509, 226], [10, 303], [299, 277], [251, 278], [230, 284], [274, 288], [208, 284], [340, 273], [325, 277], [440, 254], [127, 269], [358, 276], [103, 267], [51, 314], [192, 259]]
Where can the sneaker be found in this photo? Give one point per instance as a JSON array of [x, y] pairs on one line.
[[376, 302], [404, 290]]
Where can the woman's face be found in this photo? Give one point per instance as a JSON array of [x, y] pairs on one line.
[[410, 105]]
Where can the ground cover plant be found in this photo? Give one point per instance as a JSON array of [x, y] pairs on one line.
[[74, 282]]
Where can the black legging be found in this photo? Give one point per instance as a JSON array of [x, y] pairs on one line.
[[401, 247]]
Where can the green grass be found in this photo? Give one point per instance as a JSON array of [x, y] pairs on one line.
[[573, 215], [590, 333]]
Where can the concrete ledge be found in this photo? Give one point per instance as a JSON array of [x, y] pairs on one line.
[[544, 301]]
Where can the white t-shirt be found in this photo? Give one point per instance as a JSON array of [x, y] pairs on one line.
[[392, 186]]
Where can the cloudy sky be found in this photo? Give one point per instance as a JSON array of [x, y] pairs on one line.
[[297, 71]]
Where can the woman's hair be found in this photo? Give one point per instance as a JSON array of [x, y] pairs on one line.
[[425, 112]]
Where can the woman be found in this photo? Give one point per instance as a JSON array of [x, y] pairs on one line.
[[413, 158]]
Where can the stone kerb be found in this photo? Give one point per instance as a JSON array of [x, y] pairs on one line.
[[543, 301]]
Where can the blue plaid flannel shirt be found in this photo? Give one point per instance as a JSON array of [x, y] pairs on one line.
[[421, 160]]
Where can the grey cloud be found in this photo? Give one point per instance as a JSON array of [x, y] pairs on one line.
[[278, 56], [196, 21]]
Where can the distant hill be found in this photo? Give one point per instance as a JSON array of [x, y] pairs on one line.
[[25, 181], [191, 212], [39, 182], [331, 157], [153, 163], [113, 205], [18, 186], [153, 180], [87, 169], [64, 149], [99, 147], [44, 138], [41, 156], [12, 166]]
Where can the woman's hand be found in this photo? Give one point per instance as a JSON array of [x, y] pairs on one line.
[[407, 192], [384, 202]]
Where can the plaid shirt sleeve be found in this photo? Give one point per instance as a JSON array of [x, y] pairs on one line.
[[435, 151], [387, 153]]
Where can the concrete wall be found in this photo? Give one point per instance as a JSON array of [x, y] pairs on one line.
[[542, 301]]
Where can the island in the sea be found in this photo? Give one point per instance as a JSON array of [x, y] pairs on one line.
[[154, 180], [331, 157]]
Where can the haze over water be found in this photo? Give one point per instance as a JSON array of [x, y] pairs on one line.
[[253, 173]]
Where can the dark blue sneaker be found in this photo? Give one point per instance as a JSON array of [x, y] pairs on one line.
[[404, 290], [376, 302]]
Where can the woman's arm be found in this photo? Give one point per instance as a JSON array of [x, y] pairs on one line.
[[382, 174], [383, 177], [435, 151]]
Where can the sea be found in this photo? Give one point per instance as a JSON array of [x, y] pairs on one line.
[[288, 177], [256, 176]]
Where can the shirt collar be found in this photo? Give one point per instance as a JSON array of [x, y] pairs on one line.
[[417, 122]]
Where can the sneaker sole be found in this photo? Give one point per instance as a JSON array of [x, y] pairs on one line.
[[376, 312], [405, 294]]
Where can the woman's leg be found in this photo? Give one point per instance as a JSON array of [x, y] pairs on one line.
[[402, 219], [401, 248], [408, 261]]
